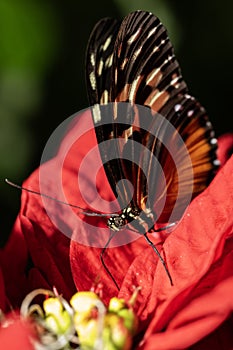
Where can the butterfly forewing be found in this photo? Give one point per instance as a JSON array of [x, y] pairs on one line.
[[99, 60], [146, 70]]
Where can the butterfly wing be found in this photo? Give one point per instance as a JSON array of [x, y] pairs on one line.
[[99, 58], [185, 148], [144, 71]]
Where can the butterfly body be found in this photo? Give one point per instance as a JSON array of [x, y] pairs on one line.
[[116, 223], [134, 219]]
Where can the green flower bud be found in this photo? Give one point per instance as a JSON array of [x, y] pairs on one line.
[[130, 320], [53, 324], [83, 301], [57, 319], [116, 333], [84, 304], [52, 306], [116, 304], [87, 333]]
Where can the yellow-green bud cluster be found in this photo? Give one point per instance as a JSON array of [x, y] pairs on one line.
[[97, 326]]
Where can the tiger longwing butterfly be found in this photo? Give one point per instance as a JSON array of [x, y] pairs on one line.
[[131, 64]]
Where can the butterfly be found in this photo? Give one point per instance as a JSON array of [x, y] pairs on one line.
[[164, 144], [140, 98]]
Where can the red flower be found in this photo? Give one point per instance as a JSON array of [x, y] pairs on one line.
[[194, 313]]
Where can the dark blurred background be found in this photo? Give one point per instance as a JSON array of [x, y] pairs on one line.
[[42, 79]]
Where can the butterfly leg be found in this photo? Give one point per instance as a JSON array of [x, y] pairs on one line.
[[112, 234], [160, 257]]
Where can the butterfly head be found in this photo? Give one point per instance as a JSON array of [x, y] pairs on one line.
[[128, 214], [115, 223]]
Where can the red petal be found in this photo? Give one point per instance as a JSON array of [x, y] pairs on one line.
[[44, 226], [222, 336], [2, 293], [16, 336], [199, 314], [13, 263], [37, 254], [225, 147], [191, 252], [199, 318], [87, 267]]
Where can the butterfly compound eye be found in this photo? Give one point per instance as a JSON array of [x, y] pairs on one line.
[[116, 223]]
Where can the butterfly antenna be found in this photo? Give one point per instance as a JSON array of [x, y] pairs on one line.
[[160, 257], [82, 210], [112, 234]]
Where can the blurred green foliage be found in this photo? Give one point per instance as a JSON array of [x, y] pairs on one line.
[[42, 60], [28, 45]]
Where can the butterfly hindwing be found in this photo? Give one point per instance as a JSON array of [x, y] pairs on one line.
[[186, 156]]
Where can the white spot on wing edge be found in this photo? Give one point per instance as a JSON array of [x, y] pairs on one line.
[[216, 162], [190, 113], [177, 107], [168, 60], [213, 141]]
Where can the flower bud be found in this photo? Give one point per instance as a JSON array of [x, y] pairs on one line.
[[83, 301], [130, 320], [116, 304], [115, 333], [57, 319], [87, 333]]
